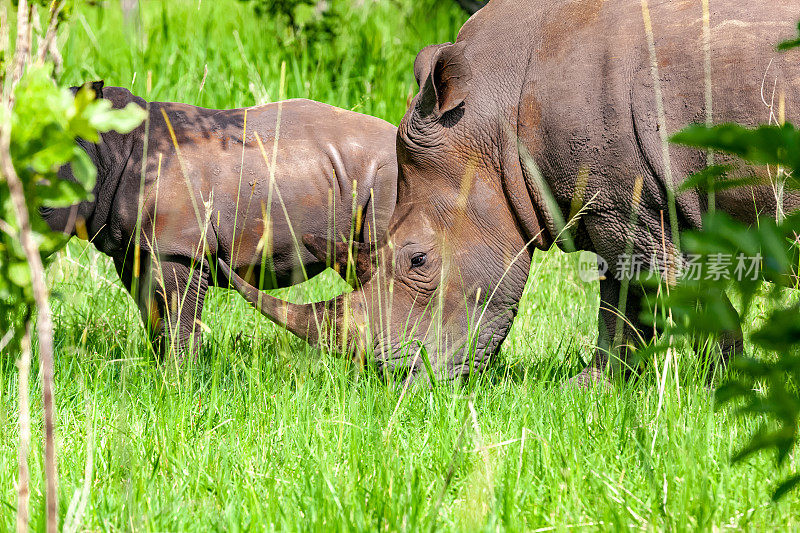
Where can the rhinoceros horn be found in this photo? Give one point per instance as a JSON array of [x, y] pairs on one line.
[[308, 321]]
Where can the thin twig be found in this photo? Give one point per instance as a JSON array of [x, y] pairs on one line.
[[44, 324], [662, 123], [4, 33], [47, 44], [709, 91], [22, 51], [23, 489]]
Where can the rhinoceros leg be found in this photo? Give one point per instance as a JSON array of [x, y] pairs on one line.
[[180, 289], [170, 295], [729, 342], [621, 331]]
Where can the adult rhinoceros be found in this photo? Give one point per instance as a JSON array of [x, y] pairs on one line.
[[242, 185], [539, 111]]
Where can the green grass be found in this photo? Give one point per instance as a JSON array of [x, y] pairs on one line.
[[366, 66], [262, 432]]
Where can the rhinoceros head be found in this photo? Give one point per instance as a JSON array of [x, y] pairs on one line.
[[65, 219], [458, 262], [440, 289]]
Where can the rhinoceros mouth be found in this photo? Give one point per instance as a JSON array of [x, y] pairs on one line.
[[413, 357]]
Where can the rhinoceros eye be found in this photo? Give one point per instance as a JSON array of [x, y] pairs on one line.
[[417, 260]]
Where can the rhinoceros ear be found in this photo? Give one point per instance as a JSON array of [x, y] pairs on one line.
[[97, 87], [450, 77], [424, 62]]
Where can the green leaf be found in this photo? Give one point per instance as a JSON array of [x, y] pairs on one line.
[[765, 145], [731, 391], [62, 193], [19, 274], [777, 256], [793, 43], [762, 440], [52, 156], [83, 99], [52, 242], [785, 487], [427, 362], [706, 178], [751, 367], [79, 121], [83, 170], [125, 120], [303, 14]]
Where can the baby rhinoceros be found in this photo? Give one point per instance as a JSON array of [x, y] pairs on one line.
[[243, 186]]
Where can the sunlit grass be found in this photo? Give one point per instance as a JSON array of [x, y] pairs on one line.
[[261, 431]]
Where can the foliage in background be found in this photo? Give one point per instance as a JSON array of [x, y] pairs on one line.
[[320, 19], [366, 65], [472, 6], [765, 388], [45, 122], [314, 20]]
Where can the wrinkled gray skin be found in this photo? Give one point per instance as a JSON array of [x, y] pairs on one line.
[[491, 149], [193, 202]]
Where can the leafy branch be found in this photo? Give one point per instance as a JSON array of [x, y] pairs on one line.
[[39, 125], [763, 388]]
